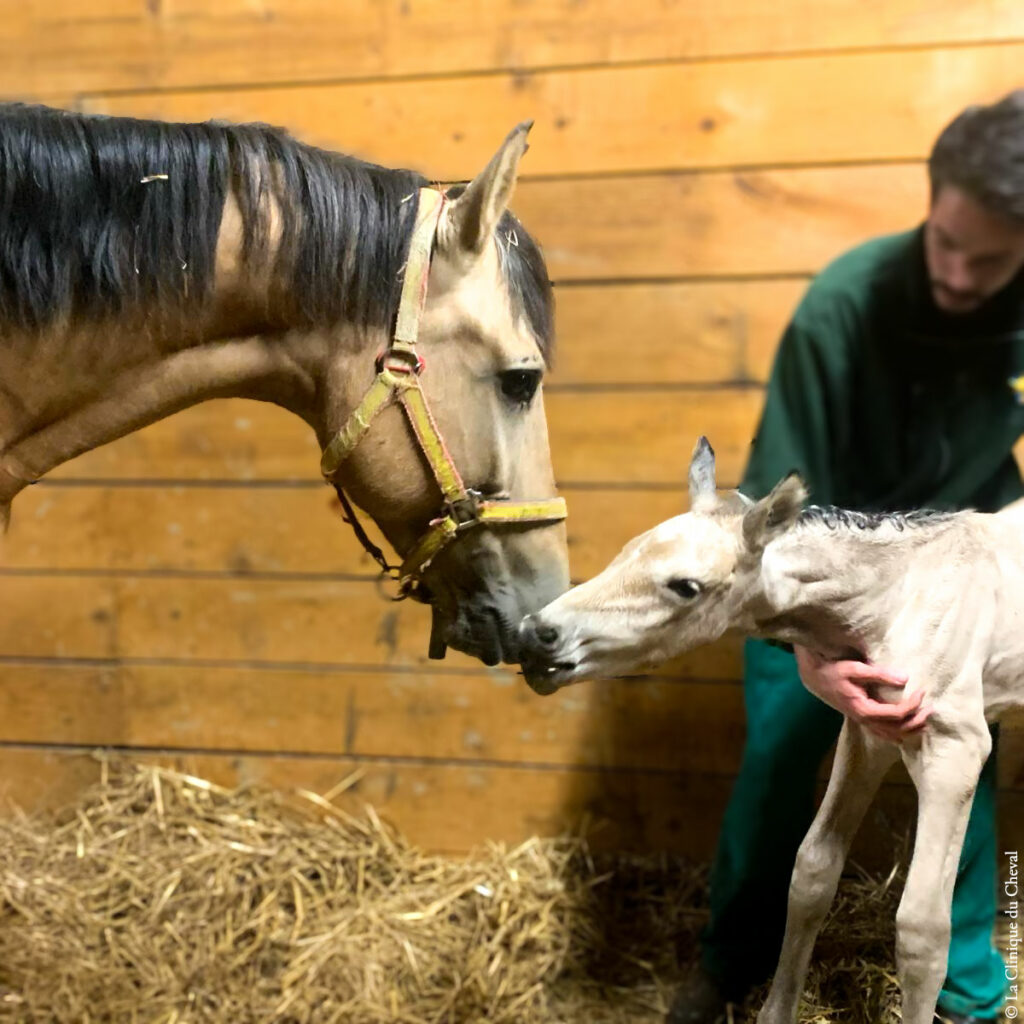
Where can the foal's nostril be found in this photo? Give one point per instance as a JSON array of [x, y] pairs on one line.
[[547, 634]]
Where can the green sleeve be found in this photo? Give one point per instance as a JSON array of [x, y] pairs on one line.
[[805, 422]]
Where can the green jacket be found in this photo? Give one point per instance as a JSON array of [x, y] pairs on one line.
[[882, 402]]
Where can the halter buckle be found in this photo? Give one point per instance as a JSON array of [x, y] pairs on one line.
[[465, 510], [401, 361]]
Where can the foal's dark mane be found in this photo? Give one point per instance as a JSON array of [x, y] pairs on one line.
[[99, 214], [832, 518]]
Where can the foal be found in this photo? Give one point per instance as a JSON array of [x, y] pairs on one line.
[[941, 595]]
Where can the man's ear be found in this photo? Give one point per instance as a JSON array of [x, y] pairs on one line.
[[773, 515], [473, 217], [702, 475]]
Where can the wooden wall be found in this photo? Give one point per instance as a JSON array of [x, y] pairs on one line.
[[189, 593]]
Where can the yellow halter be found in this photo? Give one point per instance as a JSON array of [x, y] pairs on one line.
[[398, 373]]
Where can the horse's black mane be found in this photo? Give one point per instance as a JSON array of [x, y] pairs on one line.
[[832, 518], [99, 213]]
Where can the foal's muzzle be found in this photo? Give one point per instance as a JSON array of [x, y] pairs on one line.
[[541, 655]]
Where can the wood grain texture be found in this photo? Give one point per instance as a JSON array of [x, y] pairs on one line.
[[484, 716], [138, 44], [264, 530], [705, 332], [252, 621], [487, 717], [601, 437], [874, 106]]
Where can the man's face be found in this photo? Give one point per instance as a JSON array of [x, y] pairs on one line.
[[971, 252]]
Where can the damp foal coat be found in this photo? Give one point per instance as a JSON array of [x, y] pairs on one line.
[[939, 596]]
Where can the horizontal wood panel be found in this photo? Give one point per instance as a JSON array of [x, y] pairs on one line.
[[492, 717], [58, 617], [132, 44], [788, 221], [670, 332], [452, 808], [345, 623], [599, 437], [255, 530], [806, 109], [649, 437]]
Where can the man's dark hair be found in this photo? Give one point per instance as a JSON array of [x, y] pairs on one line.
[[981, 151]]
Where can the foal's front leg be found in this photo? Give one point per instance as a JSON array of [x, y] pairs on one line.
[[945, 770], [860, 764]]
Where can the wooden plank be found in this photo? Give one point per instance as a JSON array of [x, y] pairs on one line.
[[132, 44], [748, 112], [255, 621], [704, 332], [253, 530], [788, 221], [489, 716], [651, 724], [648, 437], [452, 808], [627, 437], [57, 617]]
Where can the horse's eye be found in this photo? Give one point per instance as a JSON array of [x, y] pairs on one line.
[[685, 588], [520, 386]]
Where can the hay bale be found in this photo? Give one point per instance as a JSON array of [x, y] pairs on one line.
[[162, 897]]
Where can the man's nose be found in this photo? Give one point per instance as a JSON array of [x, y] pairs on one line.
[[959, 275]]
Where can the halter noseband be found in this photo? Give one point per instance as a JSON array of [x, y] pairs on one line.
[[398, 373]]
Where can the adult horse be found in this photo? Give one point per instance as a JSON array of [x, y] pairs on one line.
[[146, 267]]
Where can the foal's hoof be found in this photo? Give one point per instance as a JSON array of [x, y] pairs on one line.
[[698, 1000]]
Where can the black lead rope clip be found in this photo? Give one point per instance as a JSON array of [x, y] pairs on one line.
[[438, 648]]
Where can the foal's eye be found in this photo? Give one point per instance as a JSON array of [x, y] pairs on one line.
[[520, 386], [684, 588]]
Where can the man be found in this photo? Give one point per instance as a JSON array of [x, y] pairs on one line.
[[898, 384]]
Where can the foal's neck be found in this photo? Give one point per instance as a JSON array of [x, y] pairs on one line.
[[831, 581]]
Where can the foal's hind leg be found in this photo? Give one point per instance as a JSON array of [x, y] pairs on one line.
[[860, 764], [945, 770]]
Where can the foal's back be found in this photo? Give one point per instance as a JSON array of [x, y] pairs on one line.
[[1004, 670]]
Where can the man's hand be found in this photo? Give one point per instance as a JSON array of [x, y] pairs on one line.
[[842, 685]]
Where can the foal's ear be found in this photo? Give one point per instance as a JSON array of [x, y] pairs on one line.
[[770, 516], [473, 217], [702, 475]]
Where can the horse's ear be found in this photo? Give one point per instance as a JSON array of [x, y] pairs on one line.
[[473, 217], [770, 516], [702, 475]]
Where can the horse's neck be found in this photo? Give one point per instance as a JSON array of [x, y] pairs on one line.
[[830, 588], [70, 390]]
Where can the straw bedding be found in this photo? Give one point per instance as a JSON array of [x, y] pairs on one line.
[[161, 898]]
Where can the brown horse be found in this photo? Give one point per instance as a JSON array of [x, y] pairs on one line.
[[146, 267]]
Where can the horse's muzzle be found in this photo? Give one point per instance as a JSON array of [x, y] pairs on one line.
[[540, 643]]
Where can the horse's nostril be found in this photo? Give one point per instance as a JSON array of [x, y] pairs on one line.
[[547, 634]]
